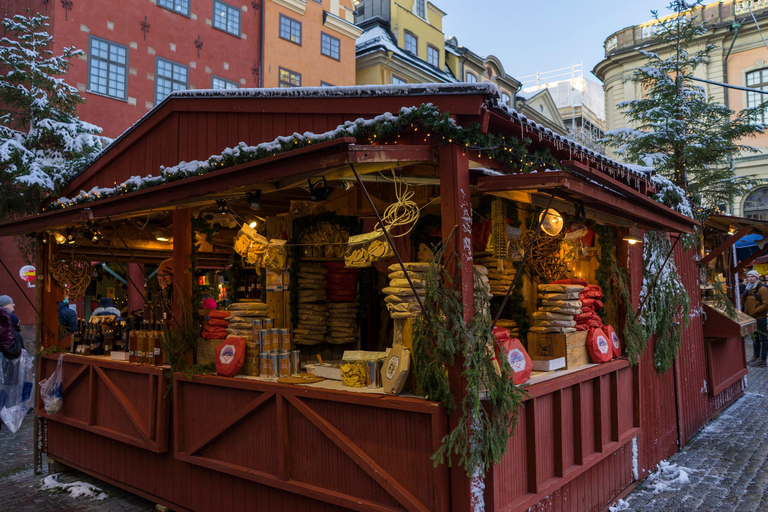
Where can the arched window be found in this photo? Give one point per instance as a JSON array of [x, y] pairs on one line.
[[758, 80], [471, 77], [756, 204]]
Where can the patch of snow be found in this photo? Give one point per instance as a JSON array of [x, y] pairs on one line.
[[619, 506], [75, 489], [668, 477], [635, 470]]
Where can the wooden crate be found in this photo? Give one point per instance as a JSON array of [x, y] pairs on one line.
[[572, 346]]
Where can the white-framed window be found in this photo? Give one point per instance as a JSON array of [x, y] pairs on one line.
[[179, 6], [419, 8], [226, 18], [289, 78], [397, 80], [471, 77], [411, 43], [433, 56], [758, 80], [756, 204], [290, 29], [169, 77], [222, 83], [326, 84], [506, 100], [330, 46], [108, 68]]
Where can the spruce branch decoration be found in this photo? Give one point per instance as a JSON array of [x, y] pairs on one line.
[[491, 406], [688, 137]]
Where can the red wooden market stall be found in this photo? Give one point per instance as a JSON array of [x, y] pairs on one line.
[[191, 440]]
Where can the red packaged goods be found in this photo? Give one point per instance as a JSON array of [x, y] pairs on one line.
[[588, 315], [591, 303], [591, 294], [615, 341], [598, 346], [218, 322], [215, 335], [581, 327], [218, 314], [517, 356], [230, 356]]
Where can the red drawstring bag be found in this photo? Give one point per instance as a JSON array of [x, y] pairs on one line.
[[598, 346], [614, 339], [230, 356], [218, 322], [218, 314], [517, 356]]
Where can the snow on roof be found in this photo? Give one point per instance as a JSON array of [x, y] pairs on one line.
[[376, 37]]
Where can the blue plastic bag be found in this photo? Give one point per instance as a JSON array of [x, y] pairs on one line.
[[17, 379]]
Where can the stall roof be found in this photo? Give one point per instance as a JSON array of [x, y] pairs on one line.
[[726, 223]]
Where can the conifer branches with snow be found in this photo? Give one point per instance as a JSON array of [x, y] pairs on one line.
[[42, 142], [686, 136]]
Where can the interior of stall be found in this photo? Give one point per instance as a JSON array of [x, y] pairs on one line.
[[302, 276]]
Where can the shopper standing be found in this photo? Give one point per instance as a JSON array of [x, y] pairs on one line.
[[10, 339], [755, 300]]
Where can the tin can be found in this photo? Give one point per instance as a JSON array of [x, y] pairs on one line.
[[274, 335], [285, 340], [295, 362], [256, 328], [374, 373], [267, 323], [265, 342], [274, 358], [265, 365], [285, 364]]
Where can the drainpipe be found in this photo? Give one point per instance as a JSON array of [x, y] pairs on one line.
[[261, 45], [735, 26], [386, 66]]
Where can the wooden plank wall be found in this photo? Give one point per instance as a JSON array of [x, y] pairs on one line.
[[571, 441]]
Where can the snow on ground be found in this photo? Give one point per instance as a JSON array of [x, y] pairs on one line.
[[75, 489], [667, 476]]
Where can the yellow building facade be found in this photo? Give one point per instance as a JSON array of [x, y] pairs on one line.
[[740, 59]]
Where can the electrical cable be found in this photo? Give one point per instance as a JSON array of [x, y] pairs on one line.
[[749, 4]]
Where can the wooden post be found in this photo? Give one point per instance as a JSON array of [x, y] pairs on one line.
[[49, 309], [135, 300], [456, 211], [182, 261]]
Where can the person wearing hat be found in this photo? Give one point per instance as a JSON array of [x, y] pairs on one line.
[[755, 301], [67, 319], [10, 336], [106, 308]]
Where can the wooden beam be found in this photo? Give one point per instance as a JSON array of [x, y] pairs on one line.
[[714, 253], [182, 263]]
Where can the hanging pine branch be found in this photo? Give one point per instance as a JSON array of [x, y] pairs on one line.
[[42, 142], [684, 135]]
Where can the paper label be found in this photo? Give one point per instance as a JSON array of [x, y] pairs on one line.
[[227, 354], [602, 344], [615, 340], [516, 360], [394, 362]]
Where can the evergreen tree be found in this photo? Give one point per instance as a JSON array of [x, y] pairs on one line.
[[42, 142], [686, 136]]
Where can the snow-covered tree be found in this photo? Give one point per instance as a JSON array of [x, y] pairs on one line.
[[42, 142], [686, 136]]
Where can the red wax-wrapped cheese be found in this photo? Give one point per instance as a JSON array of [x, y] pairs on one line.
[[598, 346], [614, 339], [230, 356]]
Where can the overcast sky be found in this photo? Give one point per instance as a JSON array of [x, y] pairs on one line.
[[530, 36]]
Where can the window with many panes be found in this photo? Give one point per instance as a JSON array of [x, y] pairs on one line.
[[221, 83], [108, 68], [418, 7], [289, 78], [411, 43], [170, 76], [290, 29], [397, 80], [471, 77], [226, 18], [330, 46], [179, 6], [758, 80], [433, 56]]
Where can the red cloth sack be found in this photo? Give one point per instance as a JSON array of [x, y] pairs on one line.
[[582, 282], [230, 356], [214, 335], [219, 314], [588, 315], [592, 294], [598, 346], [591, 303], [614, 339], [218, 322]]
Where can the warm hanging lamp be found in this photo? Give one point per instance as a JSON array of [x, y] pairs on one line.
[[551, 222], [633, 237]]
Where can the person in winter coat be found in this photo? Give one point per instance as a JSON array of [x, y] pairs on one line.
[[67, 319], [106, 308], [755, 300], [10, 337]]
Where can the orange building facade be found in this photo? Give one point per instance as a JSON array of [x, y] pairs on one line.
[[309, 43]]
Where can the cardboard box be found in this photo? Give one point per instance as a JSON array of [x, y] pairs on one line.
[[548, 365], [554, 345]]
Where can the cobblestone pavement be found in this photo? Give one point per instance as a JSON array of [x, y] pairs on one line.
[[20, 487], [726, 462]]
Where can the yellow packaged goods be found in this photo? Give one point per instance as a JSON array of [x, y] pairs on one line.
[[354, 374], [276, 256], [363, 250], [399, 292], [396, 367], [560, 288], [250, 245], [410, 266], [247, 306], [403, 283]]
